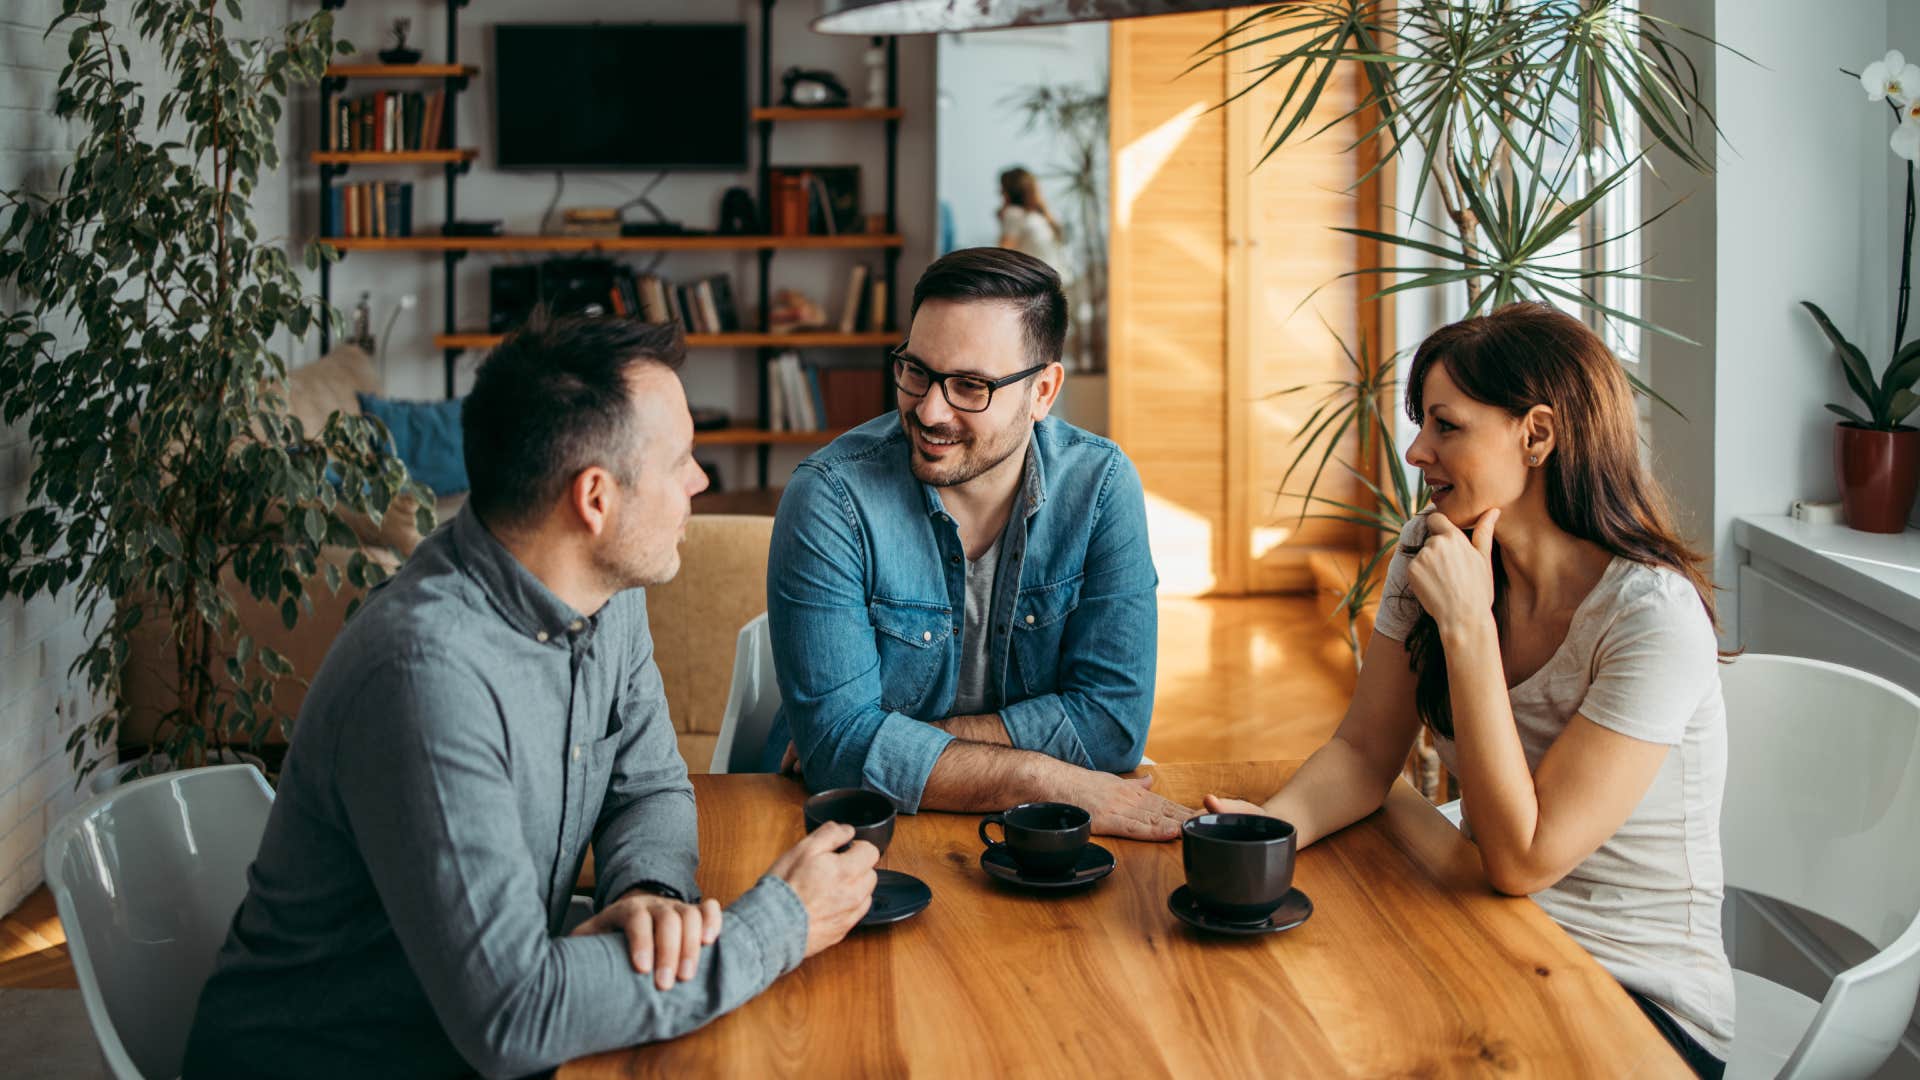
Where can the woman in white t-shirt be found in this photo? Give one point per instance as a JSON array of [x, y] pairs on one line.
[[1027, 225], [1546, 621]]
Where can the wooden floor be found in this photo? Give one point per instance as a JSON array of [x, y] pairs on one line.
[[1255, 679]]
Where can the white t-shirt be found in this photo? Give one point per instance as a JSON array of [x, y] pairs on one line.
[[1640, 658], [1033, 234]]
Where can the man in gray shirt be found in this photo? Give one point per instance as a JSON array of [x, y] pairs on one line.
[[490, 711]]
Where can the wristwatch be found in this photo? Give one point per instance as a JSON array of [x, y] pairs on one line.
[[661, 888]]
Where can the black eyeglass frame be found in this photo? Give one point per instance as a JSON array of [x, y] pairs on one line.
[[896, 356]]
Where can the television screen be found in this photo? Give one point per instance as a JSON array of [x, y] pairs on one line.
[[601, 96]]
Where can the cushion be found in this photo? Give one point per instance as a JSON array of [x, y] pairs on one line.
[[330, 384], [426, 435]]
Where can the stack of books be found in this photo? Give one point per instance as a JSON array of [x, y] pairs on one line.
[[375, 208], [389, 122], [806, 397], [704, 306]]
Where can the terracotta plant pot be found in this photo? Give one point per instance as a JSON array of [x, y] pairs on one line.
[[1877, 474]]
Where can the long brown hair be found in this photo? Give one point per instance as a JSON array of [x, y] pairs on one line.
[[1527, 354], [1020, 189]]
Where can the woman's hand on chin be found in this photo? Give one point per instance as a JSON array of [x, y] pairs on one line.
[[1452, 577]]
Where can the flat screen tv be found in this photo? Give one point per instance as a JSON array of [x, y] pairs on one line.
[[620, 96]]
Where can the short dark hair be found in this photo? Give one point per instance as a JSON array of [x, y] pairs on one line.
[[986, 273], [552, 400]]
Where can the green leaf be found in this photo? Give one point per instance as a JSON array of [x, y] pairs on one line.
[[1853, 363], [1849, 414]]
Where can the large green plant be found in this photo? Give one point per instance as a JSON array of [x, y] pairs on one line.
[[1520, 117], [166, 458]]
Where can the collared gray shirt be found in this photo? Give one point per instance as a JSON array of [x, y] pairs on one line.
[[468, 734]]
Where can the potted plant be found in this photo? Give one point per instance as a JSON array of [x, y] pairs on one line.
[[168, 473], [1520, 118], [1876, 454]]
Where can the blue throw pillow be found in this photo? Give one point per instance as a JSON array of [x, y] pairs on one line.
[[426, 436]]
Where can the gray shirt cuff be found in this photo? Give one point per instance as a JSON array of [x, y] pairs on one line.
[[771, 912]]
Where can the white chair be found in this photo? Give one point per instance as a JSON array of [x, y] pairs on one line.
[[1823, 812], [752, 701], [147, 878]]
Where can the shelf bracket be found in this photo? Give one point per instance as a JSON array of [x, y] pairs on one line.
[[332, 172], [329, 5]]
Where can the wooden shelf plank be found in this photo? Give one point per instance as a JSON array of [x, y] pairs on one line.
[[740, 436], [394, 157], [739, 340], [849, 241], [789, 113], [401, 71]]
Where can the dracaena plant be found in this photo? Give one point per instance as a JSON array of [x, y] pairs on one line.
[[142, 359], [1519, 117], [1890, 399]]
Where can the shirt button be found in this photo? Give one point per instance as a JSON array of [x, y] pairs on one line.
[[576, 751], [575, 625], [1029, 620], [926, 635], [955, 560], [541, 636]]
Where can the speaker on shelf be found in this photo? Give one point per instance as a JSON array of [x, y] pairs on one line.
[[512, 293]]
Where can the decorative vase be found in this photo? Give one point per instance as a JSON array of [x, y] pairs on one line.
[[1877, 475]]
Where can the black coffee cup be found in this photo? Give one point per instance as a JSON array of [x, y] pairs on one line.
[[869, 812], [1239, 866], [1044, 838]]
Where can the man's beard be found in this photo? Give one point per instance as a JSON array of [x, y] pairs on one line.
[[623, 561], [972, 457]]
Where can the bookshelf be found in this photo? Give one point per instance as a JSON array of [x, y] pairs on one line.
[[764, 117]]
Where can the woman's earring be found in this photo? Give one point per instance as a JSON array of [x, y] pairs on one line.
[[1534, 460]]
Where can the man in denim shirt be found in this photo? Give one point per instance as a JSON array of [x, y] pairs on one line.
[[488, 712], [960, 597]]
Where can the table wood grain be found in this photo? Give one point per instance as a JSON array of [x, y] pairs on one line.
[[1410, 965]]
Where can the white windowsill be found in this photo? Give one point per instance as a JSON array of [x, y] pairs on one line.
[[1880, 571]]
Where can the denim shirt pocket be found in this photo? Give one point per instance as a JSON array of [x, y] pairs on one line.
[[912, 640], [1039, 621]]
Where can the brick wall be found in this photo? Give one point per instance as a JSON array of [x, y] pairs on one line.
[[39, 703]]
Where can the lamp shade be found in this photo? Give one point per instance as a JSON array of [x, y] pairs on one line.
[[942, 16]]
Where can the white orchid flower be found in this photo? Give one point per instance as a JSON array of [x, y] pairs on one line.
[[1905, 140], [1891, 77]]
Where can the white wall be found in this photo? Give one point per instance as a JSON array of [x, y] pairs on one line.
[[39, 703], [723, 378], [982, 134]]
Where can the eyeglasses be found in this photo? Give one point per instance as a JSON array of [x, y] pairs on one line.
[[966, 393]]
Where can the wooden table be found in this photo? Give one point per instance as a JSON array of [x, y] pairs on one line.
[[1410, 965]]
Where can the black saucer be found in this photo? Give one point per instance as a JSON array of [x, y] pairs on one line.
[[1294, 909], [896, 897], [1095, 863]]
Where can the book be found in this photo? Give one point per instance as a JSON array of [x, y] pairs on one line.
[[776, 399], [709, 314], [819, 205], [877, 305], [336, 212], [794, 388], [815, 400], [852, 396], [723, 300], [856, 291], [406, 209]]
